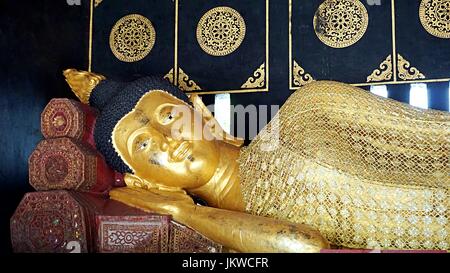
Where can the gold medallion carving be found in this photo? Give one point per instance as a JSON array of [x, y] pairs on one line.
[[383, 73], [406, 71], [435, 17], [258, 79], [132, 38], [300, 76], [340, 23], [220, 31]]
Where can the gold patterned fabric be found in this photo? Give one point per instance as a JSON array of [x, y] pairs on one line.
[[368, 172]]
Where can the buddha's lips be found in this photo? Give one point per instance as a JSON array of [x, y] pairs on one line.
[[182, 151]]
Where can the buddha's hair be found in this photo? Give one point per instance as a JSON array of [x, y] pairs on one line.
[[114, 100]]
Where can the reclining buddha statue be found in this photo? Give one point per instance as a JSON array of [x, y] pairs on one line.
[[337, 165]]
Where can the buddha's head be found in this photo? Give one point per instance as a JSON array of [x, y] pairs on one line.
[[151, 129]]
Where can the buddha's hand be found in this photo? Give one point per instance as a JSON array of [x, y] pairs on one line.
[[152, 200]]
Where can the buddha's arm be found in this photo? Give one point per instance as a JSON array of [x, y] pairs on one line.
[[235, 230]]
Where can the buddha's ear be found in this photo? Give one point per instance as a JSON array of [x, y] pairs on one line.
[[218, 131]]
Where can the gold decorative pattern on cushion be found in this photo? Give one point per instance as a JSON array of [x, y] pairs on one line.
[[220, 31], [435, 17], [184, 82], [340, 23], [406, 71], [132, 38], [368, 172], [258, 79], [383, 73]]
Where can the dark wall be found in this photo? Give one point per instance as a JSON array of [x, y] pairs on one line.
[[38, 39]]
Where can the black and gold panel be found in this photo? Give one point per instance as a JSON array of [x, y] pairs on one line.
[[343, 40], [133, 38], [222, 46], [423, 40]]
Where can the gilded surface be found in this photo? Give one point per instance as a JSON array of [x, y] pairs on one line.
[[62, 118], [435, 17], [48, 222], [170, 76], [300, 76], [340, 23], [368, 172], [82, 83], [97, 2], [127, 236], [258, 79], [184, 82], [383, 73], [132, 38], [406, 71], [220, 31]]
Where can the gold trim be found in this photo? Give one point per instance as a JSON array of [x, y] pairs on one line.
[[97, 2], [301, 78], [136, 28], [232, 91], [434, 16], [340, 23], [406, 71], [186, 84], [220, 31], [383, 73], [267, 47], [258, 78]]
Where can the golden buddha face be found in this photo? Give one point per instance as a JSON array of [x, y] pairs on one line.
[[163, 141]]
